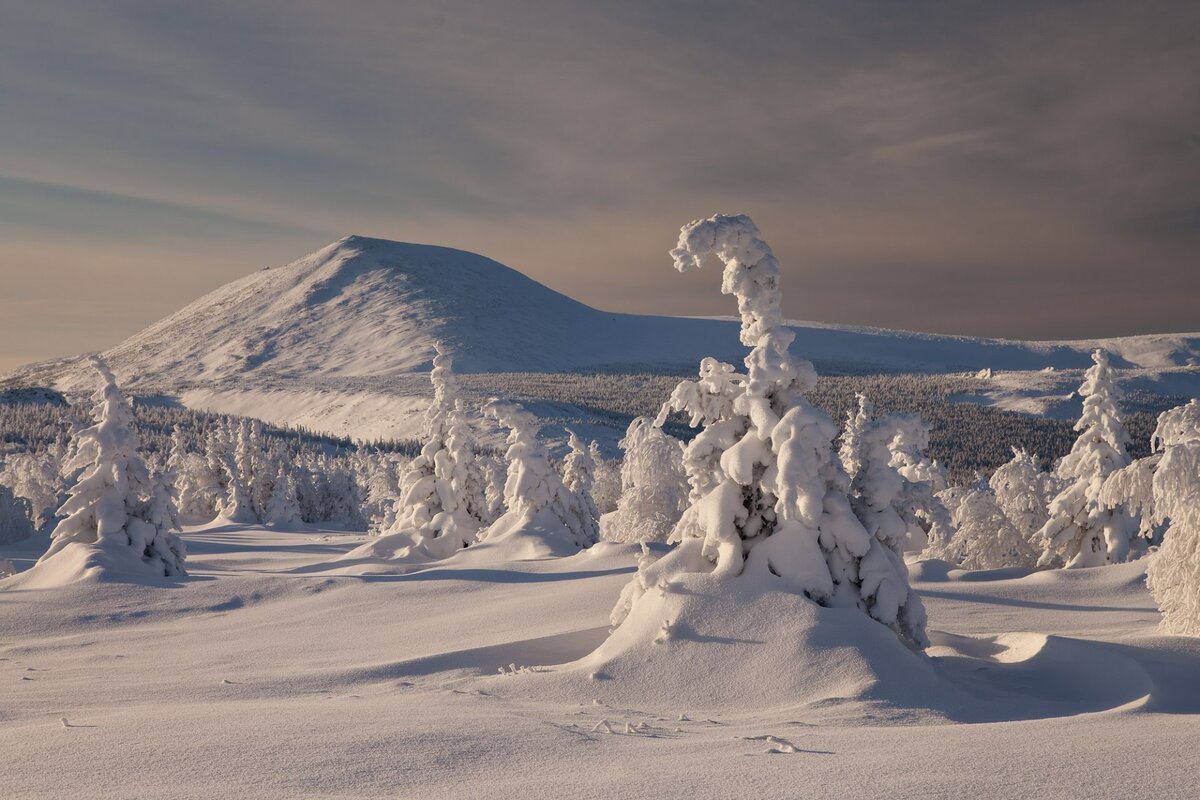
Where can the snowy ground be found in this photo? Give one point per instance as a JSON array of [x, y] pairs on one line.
[[272, 672]]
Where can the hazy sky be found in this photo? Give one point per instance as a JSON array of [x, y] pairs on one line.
[[1022, 169]]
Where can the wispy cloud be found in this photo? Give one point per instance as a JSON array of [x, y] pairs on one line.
[[977, 146]]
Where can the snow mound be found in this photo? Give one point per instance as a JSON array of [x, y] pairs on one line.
[[79, 563], [759, 648]]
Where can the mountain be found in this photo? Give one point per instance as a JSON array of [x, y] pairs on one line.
[[361, 312]]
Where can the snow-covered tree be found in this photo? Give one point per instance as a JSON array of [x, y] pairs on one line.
[[1023, 491], [115, 506], [440, 492], [469, 474], [236, 505], [1082, 532], [381, 487], [607, 488], [654, 487], [579, 476], [36, 478], [984, 537], [857, 420], [904, 514], [908, 447], [282, 507], [495, 475], [1165, 488], [539, 505], [15, 517], [769, 496], [885, 460]]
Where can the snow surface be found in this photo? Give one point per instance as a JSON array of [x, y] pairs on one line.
[[273, 671], [285, 343]]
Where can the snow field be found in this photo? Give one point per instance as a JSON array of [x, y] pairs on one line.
[[266, 674]]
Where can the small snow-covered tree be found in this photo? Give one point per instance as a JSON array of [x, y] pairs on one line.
[[579, 476], [654, 487], [904, 514], [15, 517], [495, 475], [769, 495], [1023, 491], [908, 447], [440, 491], [1081, 532], [381, 487], [857, 420], [885, 460], [984, 537], [1165, 486], [282, 507], [36, 478], [115, 506], [469, 475], [607, 489], [538, 503], [236, 505]]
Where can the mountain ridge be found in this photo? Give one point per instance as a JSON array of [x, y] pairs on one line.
[[363, 306]]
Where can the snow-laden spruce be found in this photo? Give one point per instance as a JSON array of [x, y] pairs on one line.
[[117, 514], [893, 485], [441, 502], [282, 507], [654, 487], [35, 477], [770, 501], [543, 516], [579, 476], [1023, 490], [984, 537], [1081, 531], [1165, 486]]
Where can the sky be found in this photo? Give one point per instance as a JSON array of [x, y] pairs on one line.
[[1017, 169]]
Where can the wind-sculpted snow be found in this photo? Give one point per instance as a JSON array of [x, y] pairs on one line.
[[435, 681]]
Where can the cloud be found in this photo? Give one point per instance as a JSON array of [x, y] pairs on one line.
[[945, 149]]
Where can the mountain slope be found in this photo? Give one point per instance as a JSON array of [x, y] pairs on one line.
[[338, 341], [364, 307]]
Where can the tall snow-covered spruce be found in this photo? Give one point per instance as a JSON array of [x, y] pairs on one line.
[[117, 516], [1081, 531], [770, 505], [438, 509]]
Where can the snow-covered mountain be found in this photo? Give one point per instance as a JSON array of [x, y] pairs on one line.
[[359, 315], [364, 307]]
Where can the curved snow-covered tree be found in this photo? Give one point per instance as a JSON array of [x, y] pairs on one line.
[[1081, 531], [654, 487], [770, 501], [116, 508], [541, 511]]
